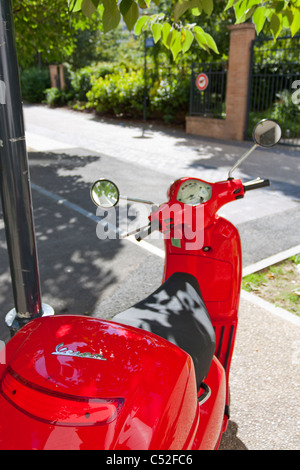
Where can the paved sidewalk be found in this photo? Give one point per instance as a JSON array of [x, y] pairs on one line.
[[264, 383]]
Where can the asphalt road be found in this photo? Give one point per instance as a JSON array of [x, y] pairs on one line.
[[82, 274]]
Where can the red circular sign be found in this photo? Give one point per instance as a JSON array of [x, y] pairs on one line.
[[202, 81]]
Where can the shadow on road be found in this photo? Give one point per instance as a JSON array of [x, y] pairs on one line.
[[75, 267], [230, 441]]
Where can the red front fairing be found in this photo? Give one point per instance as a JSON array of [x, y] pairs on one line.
[[149, 381], [213, 256]]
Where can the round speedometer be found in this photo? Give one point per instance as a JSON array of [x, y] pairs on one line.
[[193, 192]]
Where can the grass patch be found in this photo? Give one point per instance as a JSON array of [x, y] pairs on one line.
[[278, 284]]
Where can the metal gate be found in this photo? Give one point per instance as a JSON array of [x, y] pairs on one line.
[[208, 89], [274, 86]]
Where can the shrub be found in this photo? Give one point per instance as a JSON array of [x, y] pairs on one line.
[[113, 89], [56, 97], [81, 80], [169, 97], [34, 83], [120, 93]]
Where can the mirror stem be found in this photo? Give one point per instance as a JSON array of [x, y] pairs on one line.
[[241, 160], [136, 200]]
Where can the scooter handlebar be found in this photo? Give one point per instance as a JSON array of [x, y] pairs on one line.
[[143, 233], [256, 184]]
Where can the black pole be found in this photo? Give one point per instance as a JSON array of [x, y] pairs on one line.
[[15, 183], [145, 76]]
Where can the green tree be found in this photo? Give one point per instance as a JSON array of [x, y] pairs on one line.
[[175, 33], [47, 33]]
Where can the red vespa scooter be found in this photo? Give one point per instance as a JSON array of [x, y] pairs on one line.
[[156, 376]]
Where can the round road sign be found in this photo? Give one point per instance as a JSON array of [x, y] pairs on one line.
[[202, 81]]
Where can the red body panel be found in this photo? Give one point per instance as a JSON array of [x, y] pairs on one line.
[[212, 419], [155, 379]]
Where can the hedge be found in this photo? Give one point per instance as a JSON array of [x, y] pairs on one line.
[[113, 89], [122, 93]]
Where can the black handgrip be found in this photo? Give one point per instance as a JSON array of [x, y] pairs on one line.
[[143, 233], [256, 184]]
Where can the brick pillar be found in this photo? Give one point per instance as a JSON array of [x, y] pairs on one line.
[[241, 37], [233, 127], [57, 76]]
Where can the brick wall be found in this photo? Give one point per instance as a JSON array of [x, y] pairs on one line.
[[233, 126]]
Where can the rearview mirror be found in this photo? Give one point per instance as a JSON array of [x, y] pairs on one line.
[[267, 133], [105, 193]]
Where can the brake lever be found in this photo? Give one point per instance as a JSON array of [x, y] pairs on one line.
[[154, 208], [128, 234]]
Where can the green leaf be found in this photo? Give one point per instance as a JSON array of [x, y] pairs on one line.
[[156, 30], [75, 5], [181, 6], [130, 12], [230, 4], [240, 9], [171, 37], [211, 43], [186, 39], [125, 6], [205, 40], [198, 30], [259, 18], [88, 8], [175, 45], [275, 25], [279, 7], [208, 6], [288, 18], [196, 11], [244, 9], [199, 35], [142, 4], [165, 32], [141, 25], [111, 15], [295, 26]]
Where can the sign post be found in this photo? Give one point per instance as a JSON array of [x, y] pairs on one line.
[[149, 42]]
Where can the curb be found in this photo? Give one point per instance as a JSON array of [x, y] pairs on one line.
[[274, 259], [271, 308]]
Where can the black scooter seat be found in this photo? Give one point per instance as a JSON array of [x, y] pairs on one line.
[[177, 313]]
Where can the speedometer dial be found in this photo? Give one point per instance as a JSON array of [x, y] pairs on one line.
[[194, 192]]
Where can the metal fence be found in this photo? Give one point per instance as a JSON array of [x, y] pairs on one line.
[[274, 88], [208, 89]]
